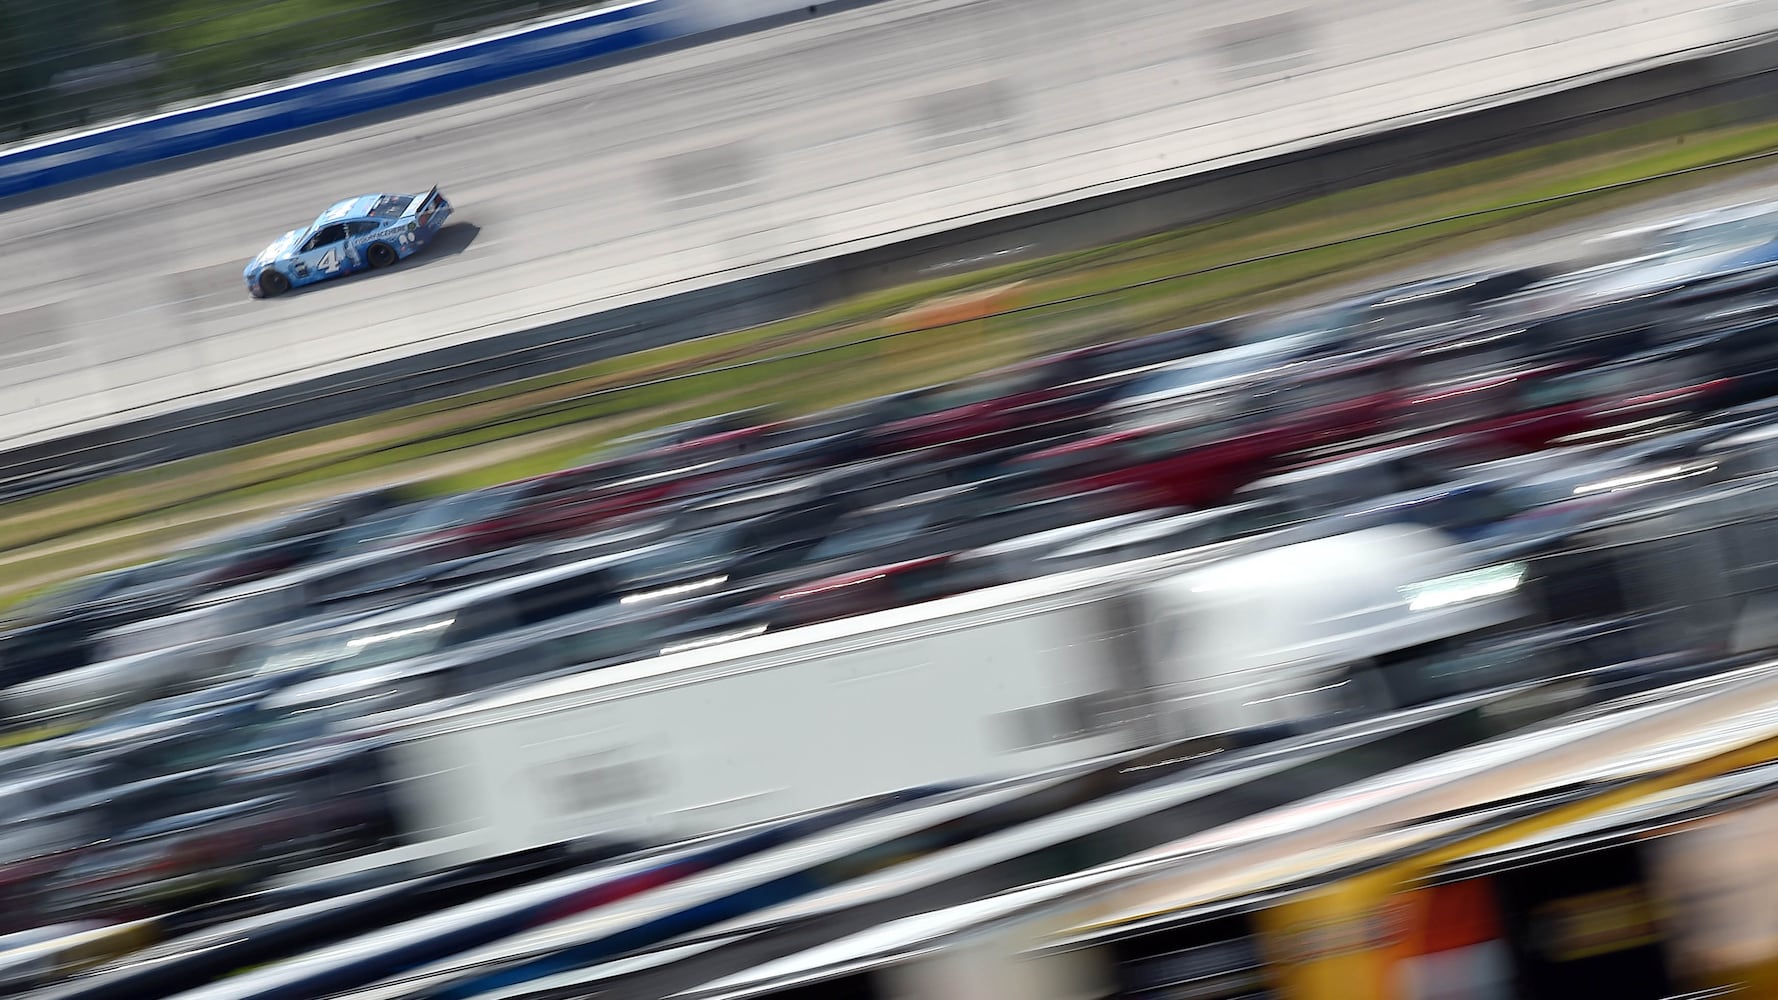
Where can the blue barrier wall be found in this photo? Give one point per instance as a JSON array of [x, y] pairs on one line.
[[370, 88]]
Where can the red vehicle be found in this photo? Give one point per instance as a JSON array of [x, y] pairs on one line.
[[874, 589], [596, 494], [24, 898], [718, 444], [561, 502], [722, 433], [1227, 439], [1200, 462], [1531, 409], [1009, 406], [168, 864], [994, 408], [593, 496]]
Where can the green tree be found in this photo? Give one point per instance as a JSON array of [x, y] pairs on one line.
[[75, 62], [217, 45]]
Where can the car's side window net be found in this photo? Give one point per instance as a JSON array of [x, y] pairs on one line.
[[332, 234]]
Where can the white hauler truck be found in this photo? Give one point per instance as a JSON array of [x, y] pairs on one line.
[[997, 682]]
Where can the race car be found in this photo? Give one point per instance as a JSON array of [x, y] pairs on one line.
[[362, 233]]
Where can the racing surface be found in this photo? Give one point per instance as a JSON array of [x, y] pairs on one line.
[[698, 166]]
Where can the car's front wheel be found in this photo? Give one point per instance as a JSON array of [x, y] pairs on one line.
[[273, 282], [380, 255]]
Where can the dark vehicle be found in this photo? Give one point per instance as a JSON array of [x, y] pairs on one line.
[[527, 625], [418, 519], [1586, 317], [56, 632], [1530, 409], [1200, 384], [281, 543], [1021, 557], [161, 865], [593, 496], [352, 700], [441, 622], [918, 536], [724, 432], [1410, 312], [1690, 568], [60, 633], [877, 588], [1124, 357], [334, 795], [571, 501], [1004, 408], [1172, 533], [1312, 488], [1684, 281], [1743, 355]]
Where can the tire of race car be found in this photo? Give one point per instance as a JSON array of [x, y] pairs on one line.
[[273, 283], [380, 254]]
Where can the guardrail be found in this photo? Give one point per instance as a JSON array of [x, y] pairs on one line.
[[415, 75]]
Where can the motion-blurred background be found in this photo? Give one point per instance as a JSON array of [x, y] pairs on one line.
[[913, 498]]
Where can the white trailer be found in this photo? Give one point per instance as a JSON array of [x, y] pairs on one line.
[[1001, 681]]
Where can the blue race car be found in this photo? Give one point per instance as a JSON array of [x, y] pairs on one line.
[[369, 231]]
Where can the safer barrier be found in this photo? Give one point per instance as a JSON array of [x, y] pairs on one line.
[[412, 76]]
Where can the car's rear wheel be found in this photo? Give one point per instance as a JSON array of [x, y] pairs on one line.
[[380, 255], [273, 282]]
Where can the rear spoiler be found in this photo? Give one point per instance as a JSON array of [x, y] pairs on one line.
[[423, 202]]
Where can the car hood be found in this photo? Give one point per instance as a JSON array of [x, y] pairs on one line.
[[277, 248]]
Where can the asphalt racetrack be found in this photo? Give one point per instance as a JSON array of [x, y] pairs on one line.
[[700, 165]]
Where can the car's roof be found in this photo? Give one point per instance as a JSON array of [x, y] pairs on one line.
[[358, 207]]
